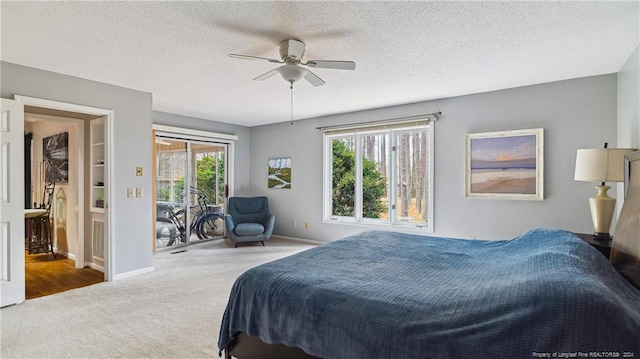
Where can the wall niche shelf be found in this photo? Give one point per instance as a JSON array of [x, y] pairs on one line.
[[97, 175]]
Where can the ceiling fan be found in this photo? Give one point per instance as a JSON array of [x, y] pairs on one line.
[[291, 53]]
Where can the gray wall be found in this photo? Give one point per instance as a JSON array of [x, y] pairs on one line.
[[242, 153], [132, 247], [578, 113]]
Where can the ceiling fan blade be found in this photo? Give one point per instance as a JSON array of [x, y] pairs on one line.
[[266, 75], [329, 64], [247, 57], [313, 79]]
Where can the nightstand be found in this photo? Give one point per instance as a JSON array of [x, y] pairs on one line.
[[603, 246]]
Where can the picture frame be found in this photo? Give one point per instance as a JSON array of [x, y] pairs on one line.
[[279, 174], [505, 165], [55, 156]]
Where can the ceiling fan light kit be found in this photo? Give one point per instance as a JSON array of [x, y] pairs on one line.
[[291, 73]]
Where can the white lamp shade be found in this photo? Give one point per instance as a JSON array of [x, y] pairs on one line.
[[600, 164]]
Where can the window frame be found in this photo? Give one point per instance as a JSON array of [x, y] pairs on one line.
[[391, 133]]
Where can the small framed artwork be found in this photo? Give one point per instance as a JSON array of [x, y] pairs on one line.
[[505, 165], [279, 175], [55, 153]]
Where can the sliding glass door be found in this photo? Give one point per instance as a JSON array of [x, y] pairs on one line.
[[191, 180], [208, 189]]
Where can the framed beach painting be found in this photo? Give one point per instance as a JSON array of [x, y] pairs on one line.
[[505, 165]]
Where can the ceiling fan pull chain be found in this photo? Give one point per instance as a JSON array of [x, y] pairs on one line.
[[291, 87]]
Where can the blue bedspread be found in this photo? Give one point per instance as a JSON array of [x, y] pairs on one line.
[[393, 295]]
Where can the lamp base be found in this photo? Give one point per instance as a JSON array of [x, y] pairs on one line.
[[602, 207], [601, 236]]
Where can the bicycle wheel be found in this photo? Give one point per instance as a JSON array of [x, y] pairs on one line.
[[199, 227], [209, 226], [166, 233]]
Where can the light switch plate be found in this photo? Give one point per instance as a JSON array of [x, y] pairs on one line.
[[139, 171], [130, 192], [138, 192]]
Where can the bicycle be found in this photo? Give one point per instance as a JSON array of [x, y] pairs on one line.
[[207, 220]]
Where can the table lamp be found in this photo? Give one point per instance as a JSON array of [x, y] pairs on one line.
[[601, 165]]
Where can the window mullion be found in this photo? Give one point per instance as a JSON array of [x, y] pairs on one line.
[[328, 177], [358, 175], [430, 176], [393, 178]]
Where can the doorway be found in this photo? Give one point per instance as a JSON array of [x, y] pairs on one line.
[[40, 129], [66, 266], [191, 188]]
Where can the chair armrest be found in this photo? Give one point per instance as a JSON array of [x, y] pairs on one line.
[[269, 222], [229, 223]]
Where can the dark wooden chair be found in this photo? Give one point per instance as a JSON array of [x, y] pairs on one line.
[[42, 239]]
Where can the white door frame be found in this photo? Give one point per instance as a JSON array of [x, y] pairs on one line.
[[108, 114]]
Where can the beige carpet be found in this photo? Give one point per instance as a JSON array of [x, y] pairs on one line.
[[173, 312]]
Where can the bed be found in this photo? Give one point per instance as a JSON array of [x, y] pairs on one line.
[[383, 294]]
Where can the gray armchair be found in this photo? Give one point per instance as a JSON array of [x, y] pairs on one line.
[[248, 220]]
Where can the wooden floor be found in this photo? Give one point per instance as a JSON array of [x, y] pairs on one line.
[[45, 275]]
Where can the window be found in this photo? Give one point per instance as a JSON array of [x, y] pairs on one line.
[[380, 174]]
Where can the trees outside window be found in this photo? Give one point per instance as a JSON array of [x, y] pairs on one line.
[[210, 175], [344, 181], [380, 176]]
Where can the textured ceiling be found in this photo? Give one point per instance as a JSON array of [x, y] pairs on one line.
[[404, 51]]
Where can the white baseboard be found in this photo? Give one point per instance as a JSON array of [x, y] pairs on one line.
[[94, 266], [312, 241], [133, 273]]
